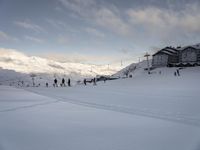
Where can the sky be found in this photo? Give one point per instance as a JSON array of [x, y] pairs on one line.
[[97, 31]]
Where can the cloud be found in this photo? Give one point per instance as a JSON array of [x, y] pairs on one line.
[[63, 39], [95, 32], [28, 25], [99, 14], [11, 56], [57, 23], [56, 66], [34, 39], [5, 37], [13, 60], [166, 22], [83, 58], [109, 19], [78, 6]]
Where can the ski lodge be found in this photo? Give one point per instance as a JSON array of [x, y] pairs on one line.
[[179, 57]]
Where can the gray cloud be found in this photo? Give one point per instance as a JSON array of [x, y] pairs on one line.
[[34, 39], [56, 66], [4, 36], [57, 23], [95, 32], [28, 25], [101, 15], [7, 60], [166, 23]]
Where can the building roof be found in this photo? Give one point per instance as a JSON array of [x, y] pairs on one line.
[[196, 46], [173, 51], [167, 50]]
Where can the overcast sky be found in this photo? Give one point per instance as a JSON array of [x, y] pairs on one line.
[[97, 30]]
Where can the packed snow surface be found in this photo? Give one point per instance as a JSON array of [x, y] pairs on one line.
[[159, 111]]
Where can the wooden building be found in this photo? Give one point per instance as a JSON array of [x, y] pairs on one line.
[[190, 55], [167, 56], [180, 56]]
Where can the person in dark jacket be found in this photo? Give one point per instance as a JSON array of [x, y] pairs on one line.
[[94, 81], [84, 81], [178, 73], [56, 83], [63, 82], [69, 82], [175, 73]]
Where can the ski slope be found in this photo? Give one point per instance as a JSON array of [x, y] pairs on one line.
[[146, 112]]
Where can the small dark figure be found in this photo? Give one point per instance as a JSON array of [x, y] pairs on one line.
[[104, 80], [178, 73], [84, 81], [63, 82], [126, 74], [56, 83], [47, 84], [94, 81], [174, 73], [159, 72], [69, 82]]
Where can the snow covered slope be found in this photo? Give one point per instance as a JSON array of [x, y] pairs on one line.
[[19, 62], [133, 69], [146, 112]]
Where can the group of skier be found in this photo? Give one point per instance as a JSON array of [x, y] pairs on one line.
[[94, 81], [55, 84], [62, 84], [177, 73]]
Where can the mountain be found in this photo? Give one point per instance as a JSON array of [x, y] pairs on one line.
[[19, 62]]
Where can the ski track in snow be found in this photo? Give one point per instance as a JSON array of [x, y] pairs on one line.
[[178, 118], [27, 106]]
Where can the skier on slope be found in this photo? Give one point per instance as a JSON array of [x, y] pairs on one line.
[[84, 81], [69, 82], [63, 82], [178, 73], [94, 81], [56, 82]]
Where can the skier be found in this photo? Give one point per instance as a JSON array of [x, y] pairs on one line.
[[84, 81], [178, 73], [56, 83], [63, 82], [69, 82], [175, 73], [47, 84], [22, 83], [94, 81]]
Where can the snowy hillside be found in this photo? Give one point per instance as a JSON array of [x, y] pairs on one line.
[[19, 62], [133, 69], [146, 112]]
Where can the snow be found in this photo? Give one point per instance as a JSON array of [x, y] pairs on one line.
[[146, 112], [14, 60]]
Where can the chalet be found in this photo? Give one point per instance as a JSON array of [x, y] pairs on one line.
[[180, 56], [190, 55], [165, 57]]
